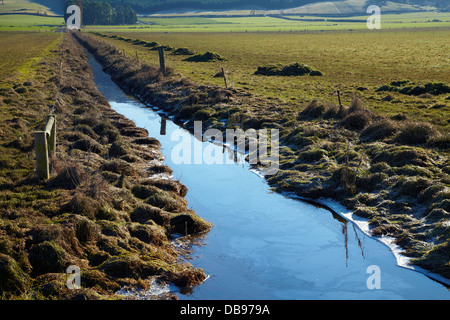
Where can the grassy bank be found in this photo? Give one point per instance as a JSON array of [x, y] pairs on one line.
[[108, 206], [356, 64], [393, 171]]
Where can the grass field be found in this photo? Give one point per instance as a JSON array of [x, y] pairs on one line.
[[23, 22], [20, 50], [355, 63], [15, 6], [290, 24]]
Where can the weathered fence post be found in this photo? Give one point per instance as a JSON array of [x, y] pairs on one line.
[[42, 166], [45, 145], [225, 78], [162, 60], [50, 129]]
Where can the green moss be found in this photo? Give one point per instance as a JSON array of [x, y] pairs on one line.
[[47, 257], [416, 133], [166, 201], [183, 51], [398, 156], [206, 57], [104, 213], [313, 155], [12, 279], [437, 259], [295, 69], [204, 114], [413, 186], [144, 191]]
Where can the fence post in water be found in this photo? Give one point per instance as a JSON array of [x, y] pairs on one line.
[[162, 60], [225, 78], [163, 126]]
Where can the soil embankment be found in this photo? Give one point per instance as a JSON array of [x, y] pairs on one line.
[[392, 171], [109, 207]]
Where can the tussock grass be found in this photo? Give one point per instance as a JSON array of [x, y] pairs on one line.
[[83, 214]]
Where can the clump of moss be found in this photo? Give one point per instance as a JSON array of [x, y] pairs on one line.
[[104, 213], [152, 44], [144, 191], [117, 150], [188, 223], [437, 259], [413, 186], [144, 213], [151, 234], [168, 185], [86, 230], [118, 166], [183, 52], [312, 155], [314, 109], [295, 69], [187, 278], [81, 205], [124, 266], [379, 130], [204, 114], [206, 57], [13, 280], [398, 156], [88, 145], [357, 120], [413, 133], [410, 88], [164, 47], [164, 200], [47, 257]]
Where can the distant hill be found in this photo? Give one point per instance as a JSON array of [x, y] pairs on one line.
[[152, 6], [288, 6]]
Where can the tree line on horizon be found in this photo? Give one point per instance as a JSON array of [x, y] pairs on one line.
[[96, 12], [151, 6]]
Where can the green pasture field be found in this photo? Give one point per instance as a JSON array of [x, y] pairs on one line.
[[16, 6], [19, 50], [355, 63], [25, 22], [417, 20]]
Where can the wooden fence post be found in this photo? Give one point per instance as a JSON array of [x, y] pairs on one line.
[[42, 166], [339, 97], [45, 145], [162, 60], [225, 78], [50, 129]]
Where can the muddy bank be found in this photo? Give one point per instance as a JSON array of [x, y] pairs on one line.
[[110, 206], [393, 172]]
